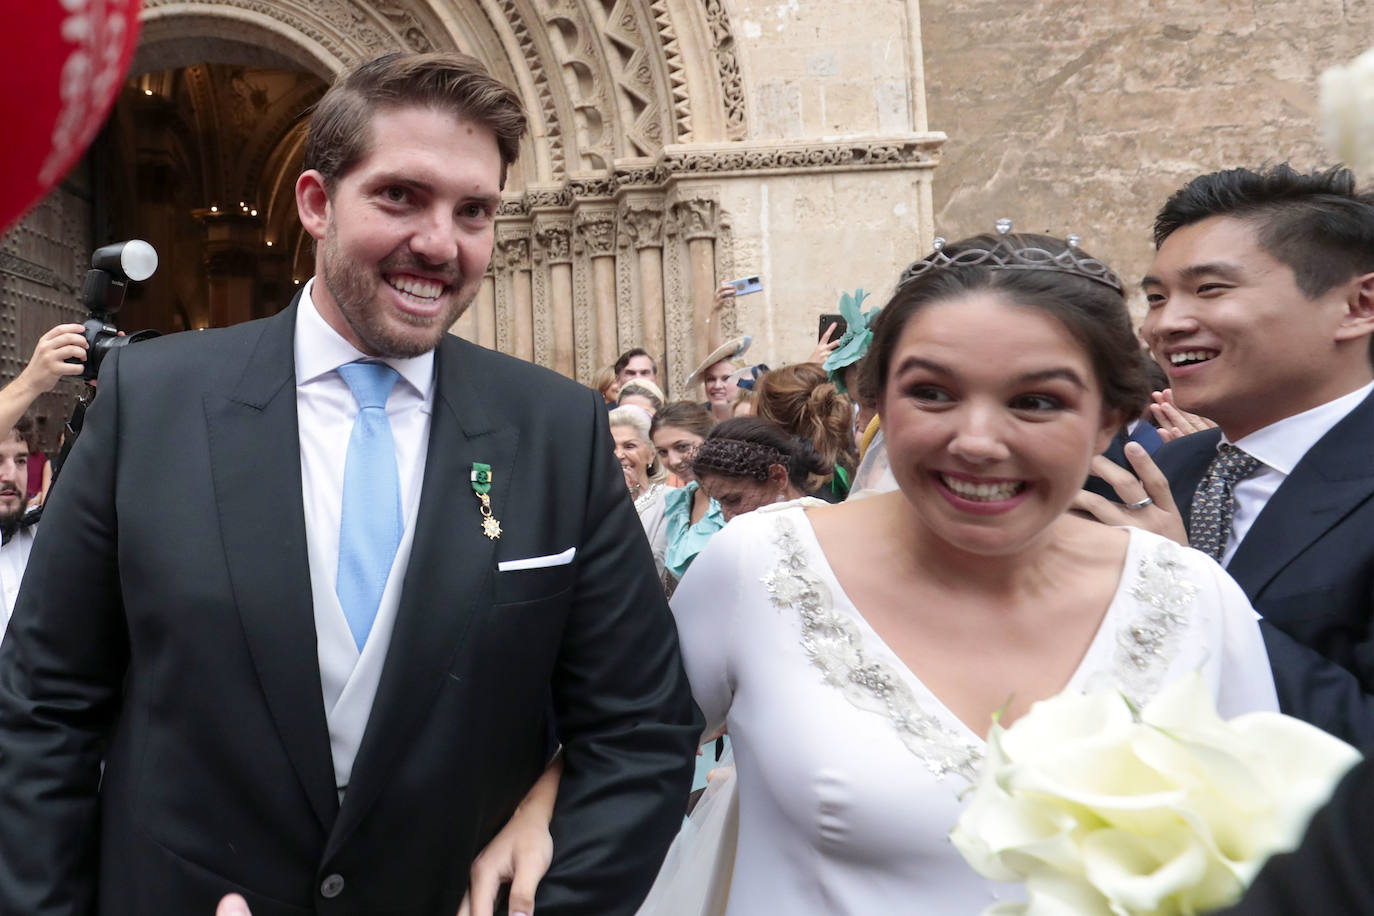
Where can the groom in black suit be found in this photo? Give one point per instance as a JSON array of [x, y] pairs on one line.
[[316, 590], [1261, 310]]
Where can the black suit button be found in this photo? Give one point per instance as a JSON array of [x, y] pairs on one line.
[[332, 886]]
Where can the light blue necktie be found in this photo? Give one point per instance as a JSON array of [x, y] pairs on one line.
[[370, 524]]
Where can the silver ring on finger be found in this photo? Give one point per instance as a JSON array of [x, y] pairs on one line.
[[1140, 503]]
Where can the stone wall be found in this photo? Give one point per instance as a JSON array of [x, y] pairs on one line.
[[815, 71], [1071, 116]]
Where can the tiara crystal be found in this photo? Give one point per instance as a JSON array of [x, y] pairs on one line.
[[1004, 256]]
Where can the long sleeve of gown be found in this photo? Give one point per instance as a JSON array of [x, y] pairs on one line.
[[705, 606], [1245, 682]]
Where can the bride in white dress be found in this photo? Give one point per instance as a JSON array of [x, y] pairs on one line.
[[857, 654]]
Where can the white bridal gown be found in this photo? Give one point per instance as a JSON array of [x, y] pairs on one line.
[[849, 770]]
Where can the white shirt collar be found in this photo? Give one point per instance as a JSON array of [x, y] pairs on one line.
[[320, 350], [1282, 444]]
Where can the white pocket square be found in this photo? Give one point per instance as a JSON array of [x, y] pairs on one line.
[[553, 559]]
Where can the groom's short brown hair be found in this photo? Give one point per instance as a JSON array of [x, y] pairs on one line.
[[340, 132]]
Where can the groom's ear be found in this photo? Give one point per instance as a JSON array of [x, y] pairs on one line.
[[312, 203]]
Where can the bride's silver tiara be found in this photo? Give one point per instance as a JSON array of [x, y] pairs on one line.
[[1004, 256]]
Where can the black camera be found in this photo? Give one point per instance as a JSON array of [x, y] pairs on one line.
[[113, 267]]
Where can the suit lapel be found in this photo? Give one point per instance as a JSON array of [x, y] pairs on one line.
[[262, 523], [447, 577], [1332, 479]]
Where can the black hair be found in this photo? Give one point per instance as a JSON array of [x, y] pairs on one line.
[[746, 447], [630, 354], [1313, 222]]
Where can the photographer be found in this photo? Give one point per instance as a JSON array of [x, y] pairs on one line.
[[47, 367]]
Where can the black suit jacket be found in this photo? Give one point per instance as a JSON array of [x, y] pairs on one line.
[[1329, 872], [166, 627], [1307, 565]]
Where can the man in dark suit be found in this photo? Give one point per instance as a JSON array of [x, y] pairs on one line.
[[1261, 310], [316, 589]]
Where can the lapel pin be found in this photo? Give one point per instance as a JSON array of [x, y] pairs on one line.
[[481, 485]]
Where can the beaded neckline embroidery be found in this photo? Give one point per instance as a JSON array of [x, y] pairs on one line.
[[1146, 645]]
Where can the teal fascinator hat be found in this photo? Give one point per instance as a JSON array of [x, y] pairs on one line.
[[855, 340]]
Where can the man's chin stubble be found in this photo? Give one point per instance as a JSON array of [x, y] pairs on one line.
[[386, 344]]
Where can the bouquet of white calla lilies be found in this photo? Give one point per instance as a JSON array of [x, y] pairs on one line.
[[1347, 100], [1103, 809]]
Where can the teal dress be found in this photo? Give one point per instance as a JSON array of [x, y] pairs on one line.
[[686, 540]]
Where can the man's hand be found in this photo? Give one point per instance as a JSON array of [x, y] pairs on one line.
[[49, 363], [1175, 423], [232, 905], [1158, 514]]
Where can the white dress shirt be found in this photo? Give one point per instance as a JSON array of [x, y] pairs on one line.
[[14, 556], [326, 409], [1280, 446]]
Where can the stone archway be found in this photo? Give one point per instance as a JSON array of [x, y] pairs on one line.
[[646, 176]]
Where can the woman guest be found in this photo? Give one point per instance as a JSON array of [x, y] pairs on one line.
[[693, 517], [644, 474], [803, 401], [606, 385], [747, 463], [998, 382], [715, 373], [641, 393]]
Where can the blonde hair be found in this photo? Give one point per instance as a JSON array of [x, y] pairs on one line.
[[605, 379], [637, 418], [644, 388]]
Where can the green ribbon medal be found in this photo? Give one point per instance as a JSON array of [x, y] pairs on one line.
[[481, 485]]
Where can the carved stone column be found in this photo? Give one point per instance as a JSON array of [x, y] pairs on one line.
[[641, 222], [485, 309], [553, 236], [513, 248], [696, 217], [596, 237], [466, 325]]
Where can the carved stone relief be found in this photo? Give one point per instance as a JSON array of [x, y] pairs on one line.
[[533, 60], [596, 232], [727, 68], [512, 253], [554, 241], [584, 321], [643, 224], [677, 311], [677, 71], [695, 217], [543, 328], [629, 320]]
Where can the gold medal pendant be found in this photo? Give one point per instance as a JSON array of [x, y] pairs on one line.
[[481, 485], [490, 526]]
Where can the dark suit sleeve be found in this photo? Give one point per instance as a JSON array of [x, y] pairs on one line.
[[625, 714], [62, 664], [1315, 689], [1330, 871]]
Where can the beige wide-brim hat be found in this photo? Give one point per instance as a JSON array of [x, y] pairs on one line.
[[731, 349]]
